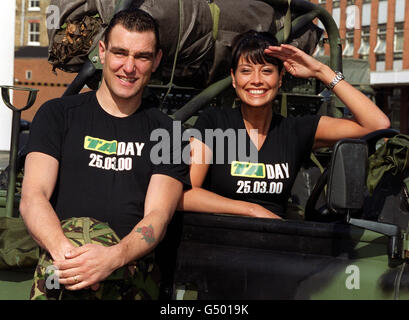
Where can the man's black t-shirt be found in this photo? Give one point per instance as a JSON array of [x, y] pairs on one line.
[[104, 161], [268, 180]]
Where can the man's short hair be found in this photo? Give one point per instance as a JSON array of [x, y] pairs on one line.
[[134, 20], [250, 45]]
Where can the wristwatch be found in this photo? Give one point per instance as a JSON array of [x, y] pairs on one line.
[[339, 76]]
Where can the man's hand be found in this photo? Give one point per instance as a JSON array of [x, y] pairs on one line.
[[87, 265]]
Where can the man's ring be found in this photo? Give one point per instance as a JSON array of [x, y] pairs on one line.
[[76, 279]]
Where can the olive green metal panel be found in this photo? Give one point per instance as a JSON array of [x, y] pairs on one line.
[[361, 279], [3, 201], [356, 71], [367, 276], [15, 285]]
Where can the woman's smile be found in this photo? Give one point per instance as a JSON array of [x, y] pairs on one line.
[[256, 84]]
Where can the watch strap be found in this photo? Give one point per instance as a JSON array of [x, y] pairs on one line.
[[338, 77]]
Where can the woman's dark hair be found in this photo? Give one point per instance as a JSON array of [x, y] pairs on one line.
[[133, 20], [250, 45]]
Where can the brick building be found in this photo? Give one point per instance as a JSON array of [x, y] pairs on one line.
[[31, 28], [378, 31], [31, 67], [32, 70]]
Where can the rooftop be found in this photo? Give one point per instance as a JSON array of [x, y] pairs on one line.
[[31, 52]]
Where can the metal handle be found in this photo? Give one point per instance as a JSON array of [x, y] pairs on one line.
[[6, 97], [15, 132]]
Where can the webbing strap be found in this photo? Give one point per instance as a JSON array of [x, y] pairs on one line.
[[287, 23], [215, 12], [92, 234], [181, 20], [406, 189], [317, 163], [284, 109], [85, 231]]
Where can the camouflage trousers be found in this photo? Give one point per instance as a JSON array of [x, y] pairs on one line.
[[138, 280]]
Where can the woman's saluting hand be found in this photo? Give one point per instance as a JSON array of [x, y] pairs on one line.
[[295, 61]]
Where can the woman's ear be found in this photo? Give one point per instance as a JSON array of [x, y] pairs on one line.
[[233, 79], [280, 82]]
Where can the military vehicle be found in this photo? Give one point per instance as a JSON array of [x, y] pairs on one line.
[[338, 242]]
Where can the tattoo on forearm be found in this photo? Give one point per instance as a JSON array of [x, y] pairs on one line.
[[147, 233]]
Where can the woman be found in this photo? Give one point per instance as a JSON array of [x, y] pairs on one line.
[[262, 188]]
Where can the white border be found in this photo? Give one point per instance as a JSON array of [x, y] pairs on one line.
[[7, 22]]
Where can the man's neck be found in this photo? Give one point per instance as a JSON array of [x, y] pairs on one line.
[[116, 106]]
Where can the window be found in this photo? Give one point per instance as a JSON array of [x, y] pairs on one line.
[[398, 47], [366, 14], [349, 45], [364, 47], [380, 48], [34, 5], [383, 12], [34, 34], [398, 40], [400, 10], [336, 14], [380, 63], [398, 65], [335, 3], [353, 17], [28, 74]]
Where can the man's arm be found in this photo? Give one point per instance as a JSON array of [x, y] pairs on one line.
[[90, 264], [161, 200], [40, 176]]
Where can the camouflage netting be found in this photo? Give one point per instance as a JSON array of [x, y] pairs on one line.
[[74, 39], [204, 48]]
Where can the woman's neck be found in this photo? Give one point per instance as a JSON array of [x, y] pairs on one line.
[[257, 118]]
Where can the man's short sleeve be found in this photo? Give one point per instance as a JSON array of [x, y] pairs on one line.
[[47, 129], [177, 171], [176, 158]]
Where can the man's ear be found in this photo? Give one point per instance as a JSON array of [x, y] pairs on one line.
[[233, 79], [101, 50], [157, 60]]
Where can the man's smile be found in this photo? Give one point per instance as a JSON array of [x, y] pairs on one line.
[[127, 79]]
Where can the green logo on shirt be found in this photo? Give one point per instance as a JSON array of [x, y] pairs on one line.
[[248, 169], [100, 145]]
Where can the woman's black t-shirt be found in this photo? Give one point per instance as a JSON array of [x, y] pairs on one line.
[[268, 177], [104, 161]]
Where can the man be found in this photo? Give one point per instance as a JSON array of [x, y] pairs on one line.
[[89, 156]]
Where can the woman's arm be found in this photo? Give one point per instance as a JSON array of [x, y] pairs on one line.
[[200, 200], [367, 116]]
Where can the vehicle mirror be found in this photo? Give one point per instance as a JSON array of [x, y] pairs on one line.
[[347, 175]]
